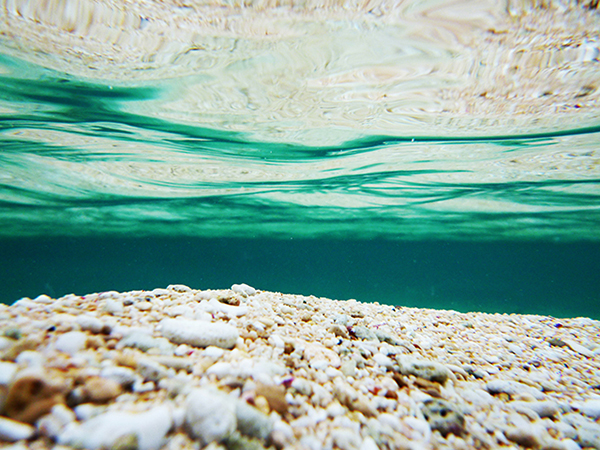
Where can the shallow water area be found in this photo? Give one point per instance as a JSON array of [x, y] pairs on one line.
[[385, 122]]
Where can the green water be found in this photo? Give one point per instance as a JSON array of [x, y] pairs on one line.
[[134, 184]]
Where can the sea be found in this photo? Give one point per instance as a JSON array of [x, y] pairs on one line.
[[438, 154]]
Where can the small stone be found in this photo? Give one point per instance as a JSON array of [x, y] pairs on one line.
[[362, 332], [512, 388], [114, 307], [53, 424], [12, 430], [199, 333], [591, 408], [428, 370], [113, 428], [577, 347], [348, 368], [122, 375], [303, 386], [527, 437], [275, 395], [145, 342], [7, 372], [444, 417], [179, 288], [152, 370], [320, 357], [210, 415], [71, 342], [543, 409], [92, 324], [368, 444], [252, 422], [101, 390], [214, 306], [383, 360], [339, 330], [243, 289], [32, 396]]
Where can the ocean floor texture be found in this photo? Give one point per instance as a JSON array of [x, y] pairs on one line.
[[239, 368]]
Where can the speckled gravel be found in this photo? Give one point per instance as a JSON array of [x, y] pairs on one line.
[[179, 368]]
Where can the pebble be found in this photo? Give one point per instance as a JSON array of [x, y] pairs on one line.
[[362, 332], [71, 342], [512, 388], [114, 307], [320, 357], [100, 390], [541, 408], [31, 396], [145, 342], [214, 306], [108, 429], [444, 417], [199, 333], [7, 372], [591, 408], [525, 436], [243, 289], [429, 370], [90, 323], [577, 347], [210, 415], [125, 376], [11, 430], [251, 422]]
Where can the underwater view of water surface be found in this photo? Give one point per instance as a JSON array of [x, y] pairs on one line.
[[436, 154]]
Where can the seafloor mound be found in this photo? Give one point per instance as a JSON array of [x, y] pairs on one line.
[[180, 368]]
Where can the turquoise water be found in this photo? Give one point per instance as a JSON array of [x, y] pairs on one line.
[[315, 172], [76, 163]]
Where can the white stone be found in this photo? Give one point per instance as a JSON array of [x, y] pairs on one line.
[[51, 425], [213, 352], [214, 306], [243, 289], [7, 372], [86, 411], [145, 342], [43, 299], [11, 430], [546, 408], [179, 288], [252, 422], [577, 347], [90, 323], [152, 370], [122, 375], [383, 360], [71, 342], [181, 310], [114, 307], [210, 415], [199, 333], [30, 358], [591, 408], [368, 444], [104, 430], [513, 388]]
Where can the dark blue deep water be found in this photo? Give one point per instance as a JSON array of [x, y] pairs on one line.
[[558, 279]]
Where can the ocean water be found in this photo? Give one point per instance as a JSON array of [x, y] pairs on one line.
[[433, 154]]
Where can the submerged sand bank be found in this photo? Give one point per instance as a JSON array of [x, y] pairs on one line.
[[238, 368]]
